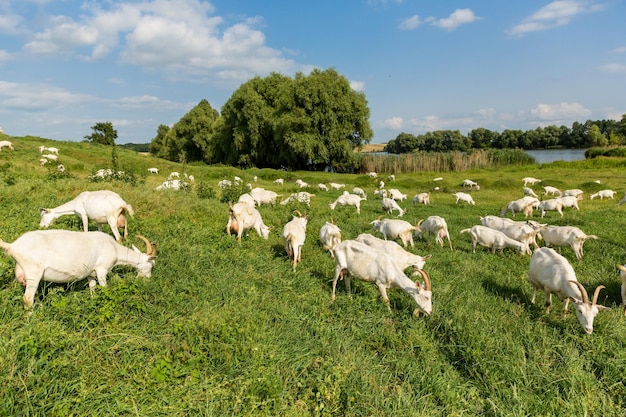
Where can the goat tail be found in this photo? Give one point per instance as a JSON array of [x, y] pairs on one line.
[[465, 231], [128, 209]]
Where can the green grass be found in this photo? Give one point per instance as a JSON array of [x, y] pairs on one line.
[[227, 329]]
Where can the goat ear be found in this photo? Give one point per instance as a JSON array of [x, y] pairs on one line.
[[576, 300], [44, 210], [602, 308]]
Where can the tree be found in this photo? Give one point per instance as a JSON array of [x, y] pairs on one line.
[[103, 133], [596, 138], [157, 143]]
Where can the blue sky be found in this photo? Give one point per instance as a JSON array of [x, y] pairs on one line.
[[423, 65]]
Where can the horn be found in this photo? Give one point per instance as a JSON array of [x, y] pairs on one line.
[[427, 283], [419, 222], [622, 268], [596, 294], [149, 250], [298, 212], [583, 291]]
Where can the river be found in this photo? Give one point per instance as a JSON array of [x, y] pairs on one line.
[[543, 156]]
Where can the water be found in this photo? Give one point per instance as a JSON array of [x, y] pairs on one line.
[[543, 156]]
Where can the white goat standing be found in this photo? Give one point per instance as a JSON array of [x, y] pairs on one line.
[[294, 235], [572, 236], [330, 236], [395, 229], [603, 194], [357, 259], [494, 239], [389, 206], [460, 196], [529, 192], [101, 206], [530, 180], [436, 226], [348, 200], [65, 256], [401, 256], [242, 218], [6, 144], [422, 198], [551, 273], [622, 274]]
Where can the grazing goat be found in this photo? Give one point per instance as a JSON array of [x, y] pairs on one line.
[[569, 201], [524, 232], [559, 236], [176, 174], [262, 196], [391, 177], [494, 239], [530, 180], [348, 200], [396, 194], [529, 192], [242, 218], [279, 181], [622, 274], [401, 256], [330, 236], [357, 259], [322, 187], [603, 194], [395, 229], [173, 185], [434, 225], [372, 175], [464, 197], [294, 235], [247, 199], [335, 186], [553, 204], [551, 273], [421, 198], [471, 185], [301, 183], [359, 191], [153, 170], [64, 256], [102, 206], [300, 197], [522, 205], [549, 190], [573, 193], [389, 206], [50, 156], [6, 144]]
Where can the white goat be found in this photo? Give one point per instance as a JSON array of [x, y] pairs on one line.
[[494, 239], [434, 225], [300, 197], [247, 198], [242, 218], [153, 170], [389, 206], [372, 175], [470, 184], [549, 190], [422, 198], [603, 194], [464, 197], [530, 180], [294, 235], [521, 205], [335, 186], [50, 156], [279, 181], [173, 185], [553, 204], [359, 191], [175, 174], [529, 192], [575, 192], [102, 206], [348, 200], [396, 194], [521, 231], [622, 274], [357, 259], [551, 273], [64, 256], [401, 256], [301, 183], [391, 177], [559, 236], [395, 229], [6, 144], [330, 236], [569, 201], [262, 196], [322, 187]]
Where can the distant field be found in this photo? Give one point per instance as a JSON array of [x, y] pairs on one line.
[[373, 147]]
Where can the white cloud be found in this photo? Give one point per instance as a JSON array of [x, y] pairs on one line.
[[357, 85], [457, 18], [393, 123], [561, 111], [620, 50], [555, 14], [410, 23], [614, 68], [37, 97]]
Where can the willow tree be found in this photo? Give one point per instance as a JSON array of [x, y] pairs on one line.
[[302, 123]]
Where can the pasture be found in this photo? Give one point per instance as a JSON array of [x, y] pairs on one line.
[[227, 329]]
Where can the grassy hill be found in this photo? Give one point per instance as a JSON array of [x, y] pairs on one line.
[[227, 329]]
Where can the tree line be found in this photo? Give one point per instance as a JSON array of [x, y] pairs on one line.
[[579, 136]]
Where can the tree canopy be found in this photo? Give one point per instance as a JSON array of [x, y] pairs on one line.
[[103, 133]]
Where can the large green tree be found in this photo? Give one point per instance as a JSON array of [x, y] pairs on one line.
[[103, 133], [309, 122]]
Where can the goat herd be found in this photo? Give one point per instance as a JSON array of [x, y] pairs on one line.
[[52, 255]]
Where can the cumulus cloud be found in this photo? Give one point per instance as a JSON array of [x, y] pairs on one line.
[[393, 123], [555, 14], [561, 111], [614, 68], [37, 97], [410, 23], [357, 85], [620, 50], [457, 18], [176, 36]]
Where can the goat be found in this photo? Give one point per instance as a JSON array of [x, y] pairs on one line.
[[102, 206], [530, 180], [153, 170], [551, 273], [521, 231], [422, 198], [622, 274], [401, 256], [170, 184], [300, 197], [50, 156], [262, 196], [301, 183], [603, 194], [436, 226], [569, 201], [396, 194], [522, 205], [242, 218], [322, 187], [357, 259], [553, 204], [279, 181], [247, 199], [559, 236], [64, 256], [391, 177], [372, 175], [330, 236], [294, 234], [335, 186], [175, 174], [389, 205], [464, 197], [6, 144], [471, 185], [529, 192], [359, 191], [348, 200], [573, 193], [549, 190], [494, 239], [394, 229]]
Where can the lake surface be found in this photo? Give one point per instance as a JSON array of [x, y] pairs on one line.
[[543, 156]]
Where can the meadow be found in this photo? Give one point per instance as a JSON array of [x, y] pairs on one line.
[[225, 329]]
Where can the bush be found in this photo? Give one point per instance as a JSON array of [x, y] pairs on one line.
[[205, 191]]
